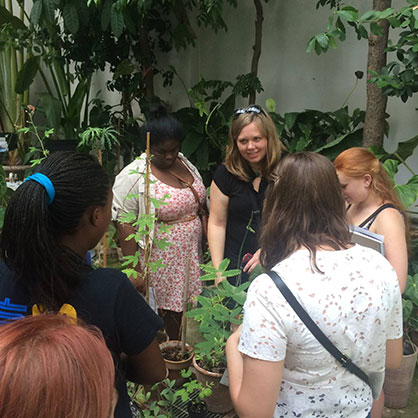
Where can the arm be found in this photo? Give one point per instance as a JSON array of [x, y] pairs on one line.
[[391, 225], [130, 248], [218, 216], [394, 351], [254, 384], [147, 367]]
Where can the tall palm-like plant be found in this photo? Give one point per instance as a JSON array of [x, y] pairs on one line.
[[11, 62]]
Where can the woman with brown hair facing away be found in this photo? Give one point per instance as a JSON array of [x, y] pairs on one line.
[[374, 204], [51, 367], [276, 366], [238, 188], [51, 221]]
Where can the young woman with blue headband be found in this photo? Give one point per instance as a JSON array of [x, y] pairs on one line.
[[52, 220]]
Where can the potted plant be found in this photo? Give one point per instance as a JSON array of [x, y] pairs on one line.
[[217, 309], [398, 382], [172, 401]]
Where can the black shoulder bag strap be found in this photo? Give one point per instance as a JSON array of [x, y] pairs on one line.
[[317, 333]]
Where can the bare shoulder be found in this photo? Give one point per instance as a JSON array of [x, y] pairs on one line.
[[389, 220]]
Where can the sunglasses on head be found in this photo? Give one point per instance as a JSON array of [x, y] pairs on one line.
[[249, 109]]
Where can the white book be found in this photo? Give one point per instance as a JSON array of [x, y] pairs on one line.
[[366, 238]]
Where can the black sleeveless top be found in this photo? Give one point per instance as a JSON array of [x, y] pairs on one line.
[[367, 223]]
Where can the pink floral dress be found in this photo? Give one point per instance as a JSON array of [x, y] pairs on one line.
[[185, 237]]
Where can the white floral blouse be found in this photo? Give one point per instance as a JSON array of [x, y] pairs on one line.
[[356, 302]]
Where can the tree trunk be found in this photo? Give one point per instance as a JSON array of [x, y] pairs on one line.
[[257, 43], [374, 124], [147, 62]]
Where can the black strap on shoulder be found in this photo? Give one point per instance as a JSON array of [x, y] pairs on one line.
[[373, 216], [315, 330]]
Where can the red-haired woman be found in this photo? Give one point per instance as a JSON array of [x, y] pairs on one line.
[[374, 204], [52, 368]]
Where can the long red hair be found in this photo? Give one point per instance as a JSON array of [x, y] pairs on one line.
[[356, 162], [51, 368]]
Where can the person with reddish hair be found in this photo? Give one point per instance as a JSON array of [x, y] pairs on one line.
[[51, 367], [374, 204]]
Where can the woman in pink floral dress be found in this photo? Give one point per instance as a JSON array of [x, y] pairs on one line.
[[176, 181]]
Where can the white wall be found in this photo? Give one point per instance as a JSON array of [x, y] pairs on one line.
[[294, 79]]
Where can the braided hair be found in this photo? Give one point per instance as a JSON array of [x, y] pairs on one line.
[[30, 244]]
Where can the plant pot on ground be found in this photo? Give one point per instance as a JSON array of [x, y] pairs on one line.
[[220, 400], [398, 382], [176, 358], [215, 313]]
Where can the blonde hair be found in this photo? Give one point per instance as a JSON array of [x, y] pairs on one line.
[[234, 161], [357, 162]]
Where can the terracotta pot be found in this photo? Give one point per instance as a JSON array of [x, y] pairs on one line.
[[175, 367], [398, 382], [220, 401]]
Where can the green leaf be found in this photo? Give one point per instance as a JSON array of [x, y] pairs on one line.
[[116, 21], [70, 16], [406, 148], [105, 16], [36, 12], [27, 74], [362, 31], [49, 10], [376, 29], [348, 15], [191, 143], [223, 265], [202, 156], [369, 15], [290, 119], [391, 167], [271, 105], [311, 45], [322, 39], [408, 193], [332, 42], [51, 106], [386, 13], [7, 17]]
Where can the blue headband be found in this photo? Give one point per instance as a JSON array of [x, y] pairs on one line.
[[43, 180]]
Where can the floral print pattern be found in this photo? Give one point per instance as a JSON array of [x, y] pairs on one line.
[[355, 301], [185, 238]]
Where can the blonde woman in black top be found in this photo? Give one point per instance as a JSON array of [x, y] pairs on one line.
[[238, 188]]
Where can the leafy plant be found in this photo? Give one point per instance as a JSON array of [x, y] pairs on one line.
[[166, 406], [410, 305], [215, 313], [328, 133], [37, 152], [408, 193]]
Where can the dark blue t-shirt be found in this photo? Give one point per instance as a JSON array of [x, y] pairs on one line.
[[106, 299]]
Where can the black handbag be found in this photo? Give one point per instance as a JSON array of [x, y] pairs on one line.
[[318, 334]]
